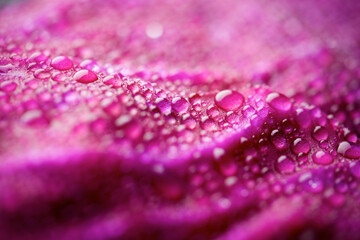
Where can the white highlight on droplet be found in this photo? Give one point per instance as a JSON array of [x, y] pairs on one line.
[[154, 30], [218, 153]]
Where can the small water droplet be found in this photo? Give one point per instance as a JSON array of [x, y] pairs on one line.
[[248, 111]]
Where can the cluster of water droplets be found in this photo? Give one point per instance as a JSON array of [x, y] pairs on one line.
[[182, 145]]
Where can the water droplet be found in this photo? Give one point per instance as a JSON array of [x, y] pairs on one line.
[[349, 150], [62, 63], [278, 140], [256, 120], [207, 124], [38, 57], [324, 144], [248, 111], [111, 108], [8, 86], [163, 105], [355, 169], [42, 74], [6, 68], [180, 105], [189, 121], [35, 118], [322, 158], [279, 102], [263, 112], [58, 77], [229, 100], [32, 84], [335, 199], [232, 118], [285, 165], [98, 126], [218, 153], [214, 113], [113, 81], [154, 30], [85, 76], [320, 133], [300, 146], [195, 99], [312, 183], [132, 129], [303, 118], [351, 137], [90, 65]]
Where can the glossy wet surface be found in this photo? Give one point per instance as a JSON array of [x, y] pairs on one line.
[[183, 120]]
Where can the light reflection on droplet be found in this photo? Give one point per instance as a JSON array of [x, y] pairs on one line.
[[154, 30]]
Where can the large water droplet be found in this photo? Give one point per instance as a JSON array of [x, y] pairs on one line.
[[42, 74], [285, 165], [322, 158], [207, 124], [35, 118], [58, 77], [300, 146], [180, 105], [163, 105], [349, 150], [278, 140], [85, 76], [6, 68], [62, 63], [320, 133], [229, 100], [279, 102], [8, 86], [38, 57]]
